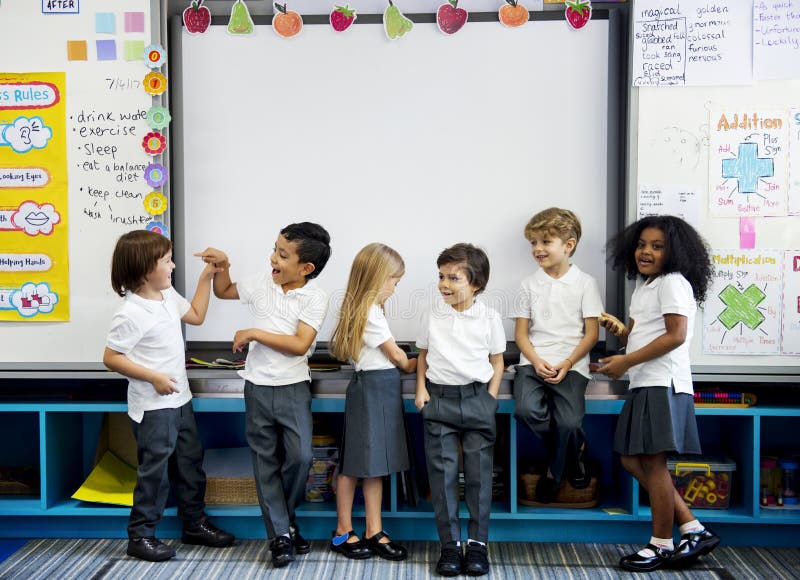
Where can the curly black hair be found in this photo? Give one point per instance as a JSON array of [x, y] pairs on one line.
[[686, 251]]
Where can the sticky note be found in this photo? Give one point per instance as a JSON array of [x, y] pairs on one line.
[[134, 22], [106, 50], [134, 49], [747, 233], [76, 50], [104, 23]]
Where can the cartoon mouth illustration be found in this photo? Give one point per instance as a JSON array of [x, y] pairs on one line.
[[37, 218]]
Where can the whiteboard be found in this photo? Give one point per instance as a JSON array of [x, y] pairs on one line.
[[419, 143], [98, 210], [669, 145]]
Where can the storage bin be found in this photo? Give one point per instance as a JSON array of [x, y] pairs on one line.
[[703, 482]]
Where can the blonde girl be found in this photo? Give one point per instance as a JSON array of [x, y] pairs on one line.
[[374, 441]]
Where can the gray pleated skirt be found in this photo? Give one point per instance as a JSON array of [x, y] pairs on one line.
[[657, 420], [374, 439]]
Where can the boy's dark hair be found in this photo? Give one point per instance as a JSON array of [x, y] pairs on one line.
[[135, 256], [313, 244], [686, 251], [475, 260]]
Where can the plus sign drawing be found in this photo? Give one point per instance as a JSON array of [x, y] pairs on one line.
[[748, 163]]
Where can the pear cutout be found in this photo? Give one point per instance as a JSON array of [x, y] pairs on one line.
[[240, 22], [395, 23]]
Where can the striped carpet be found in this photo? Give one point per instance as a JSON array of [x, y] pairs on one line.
[[98, 559]]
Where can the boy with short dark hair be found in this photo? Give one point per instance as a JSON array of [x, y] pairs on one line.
[[289, 310], [556, 315]]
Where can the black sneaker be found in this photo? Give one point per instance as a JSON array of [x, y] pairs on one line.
[[149, 549], [203, 533], [451, 561], [476, 562], [546, 489], [282, 551], [301, 545]]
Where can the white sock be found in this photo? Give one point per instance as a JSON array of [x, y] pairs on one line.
[[693, 526], [664, 543], [471, 541], [286, 536]]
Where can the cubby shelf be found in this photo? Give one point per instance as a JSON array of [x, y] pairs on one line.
[[60, 438]]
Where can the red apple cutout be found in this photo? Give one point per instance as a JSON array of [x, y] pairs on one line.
[[450, 18], [196, 18]]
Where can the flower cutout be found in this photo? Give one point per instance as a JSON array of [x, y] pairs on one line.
[[155, 83], [154, 56], [158, 117], [154, 143], [157, 227], [155, 175], [155, 203]]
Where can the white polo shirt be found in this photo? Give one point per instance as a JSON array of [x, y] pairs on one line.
[[148, 332], [556, 308], [371, 357], [459, 343], [667, 294], [277, 312]]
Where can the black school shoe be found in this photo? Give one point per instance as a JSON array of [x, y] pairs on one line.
[[546, 489], [389, 550], [354, 550], [637, 563], [203, 533], [476, 562], [451, 561], [301, 545], [580, 476], [149, 549], [282, 551], [692, 546]]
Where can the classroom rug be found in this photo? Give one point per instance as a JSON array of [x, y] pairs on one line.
[[101, 559]]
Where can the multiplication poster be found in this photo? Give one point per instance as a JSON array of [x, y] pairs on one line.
[[34, 269], [743, 305]]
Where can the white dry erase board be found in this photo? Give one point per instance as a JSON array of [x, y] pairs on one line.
[[94, 45], [418, 143], [678, 139]]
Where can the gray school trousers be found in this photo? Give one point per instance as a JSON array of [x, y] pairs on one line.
[[170, 455], [278, 425], [554, 413], [465, 412]]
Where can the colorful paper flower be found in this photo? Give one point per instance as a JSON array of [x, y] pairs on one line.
[[155, 83], [155, 175], [154, 143], [157, 227], [154, 56], [158, 117], [155, 203]]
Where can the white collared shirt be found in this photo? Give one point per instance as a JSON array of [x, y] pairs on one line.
[[371, 357], [280, 313], [667, 294], [459, 343], [148, 332], [556, 308]]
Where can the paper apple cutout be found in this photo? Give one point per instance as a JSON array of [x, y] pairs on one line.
[[196, 18], [450, 18]]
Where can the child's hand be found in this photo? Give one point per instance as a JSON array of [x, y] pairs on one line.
[[164, 384], [214, 256], [614, 366], [612, 324], [421, 399], [543, 369], [412, 366], [209, 271], [561, 370], [241, 339]]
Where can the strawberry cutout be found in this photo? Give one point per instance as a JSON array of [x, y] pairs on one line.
[[196, 18], [450, 18], [342, 17], [578, 13]]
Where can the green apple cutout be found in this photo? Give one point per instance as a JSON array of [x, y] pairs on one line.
[[240, 22], [394, 23]]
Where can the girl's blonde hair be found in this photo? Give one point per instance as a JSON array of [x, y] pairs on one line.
[[372, 267]]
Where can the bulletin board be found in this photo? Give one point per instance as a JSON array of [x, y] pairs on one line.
[[729, 149]]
